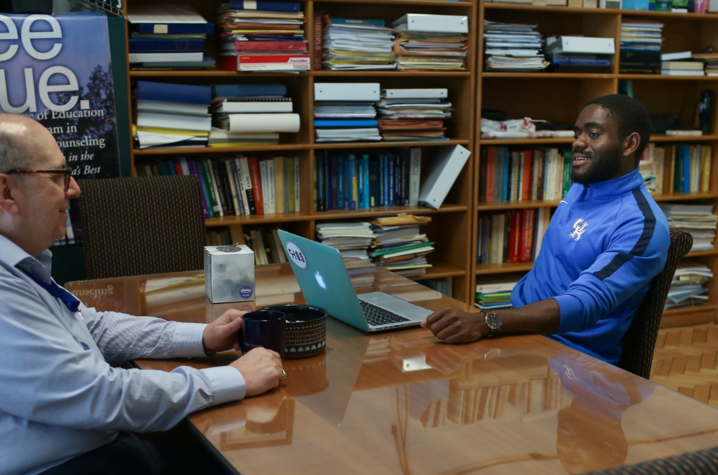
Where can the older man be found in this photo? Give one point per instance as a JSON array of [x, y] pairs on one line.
[[63, 408]]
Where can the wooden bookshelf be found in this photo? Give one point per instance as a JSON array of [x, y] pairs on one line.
[[561, 96], [451, 226]]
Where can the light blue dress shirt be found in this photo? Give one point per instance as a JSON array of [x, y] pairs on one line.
[[60, 398]]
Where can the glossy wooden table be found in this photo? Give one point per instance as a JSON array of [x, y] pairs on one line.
[[401, 403]]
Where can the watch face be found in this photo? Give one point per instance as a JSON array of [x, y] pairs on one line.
[[493, 321]]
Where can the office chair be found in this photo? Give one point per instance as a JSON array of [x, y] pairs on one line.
[[699, 462], [640, 339], [135, 226]]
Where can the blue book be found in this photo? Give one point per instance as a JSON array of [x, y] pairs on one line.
[[568, 61], [238, 90], [365, 179], [168, 92], [346, 123], [351, 177], [391, 179], [505, 176], [374, 166], [207, 62], [382, 179], [361, 186], [357, 21], [167, 168], [162, 45], [686, 169], [262, 5], [173, 28], [341, 193], [194, 170]]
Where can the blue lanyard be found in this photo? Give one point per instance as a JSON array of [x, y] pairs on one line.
[[70, 301]]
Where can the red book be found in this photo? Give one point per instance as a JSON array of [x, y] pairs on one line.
[[490, 174], [514, 236], [288, 46], [527, 235], [318, 55], [263, 62], [527, 156], [256, 184]]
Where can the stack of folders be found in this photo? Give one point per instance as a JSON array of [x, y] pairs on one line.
[[431, 42], [344, 112], [353, 43], [168, 35], [413, 114], [513, 47], [399, 246], [641, 42], [262, 36], [351, 238], [689, 285], [711, 62], [580, 54], [495, 295], [699, 220], [251, 114], [347, 181], [172, 115]]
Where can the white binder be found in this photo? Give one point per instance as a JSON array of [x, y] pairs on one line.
[[432, 23], [439, 93], [580, 44], [444, 170], [369, 91]]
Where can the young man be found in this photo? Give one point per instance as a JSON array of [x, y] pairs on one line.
[[62, 406], [605, 243]]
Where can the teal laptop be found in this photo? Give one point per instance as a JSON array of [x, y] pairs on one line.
[[325, 282]]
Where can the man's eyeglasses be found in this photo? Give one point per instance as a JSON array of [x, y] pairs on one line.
[[65, 171]]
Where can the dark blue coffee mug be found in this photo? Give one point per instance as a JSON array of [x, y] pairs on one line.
[[265, 328]]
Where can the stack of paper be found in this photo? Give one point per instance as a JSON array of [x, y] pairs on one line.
[[358, 44], [711, 62], [495, 294], [512, 46], [251, 113], [413, 114], [172, 115], [431, 42], [262, 36], [689, 285], [351, 238], [401, 248], [167, 35], [641, 35], [699, 220], [344, 112]]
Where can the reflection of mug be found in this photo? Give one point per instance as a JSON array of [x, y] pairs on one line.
[[263, 328], [306, 376]]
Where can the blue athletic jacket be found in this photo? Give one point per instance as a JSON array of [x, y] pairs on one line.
[[603, 246]]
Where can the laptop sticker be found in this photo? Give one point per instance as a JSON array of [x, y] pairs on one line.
[[296, 255]]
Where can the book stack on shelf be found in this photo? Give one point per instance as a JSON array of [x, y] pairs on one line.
[[262, 36], [496, 294], [250, 114], [399, 245], [351, 238], [641, 42], [357, 44], [431, 42], [172, 115], [580, 54], [689, 285], [698, 219], [265, 243], [345, 112], [513, 236], [345, 181], [680, 64], [711, 62], [513, 47], [517, 175], [167, 36], [413, 114], [238, 186]]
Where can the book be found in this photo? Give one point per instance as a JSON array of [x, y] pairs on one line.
[[175, 93], [268, 46], [264, 62], [261, 5], [318, 49], [161, 45], [250, 106], [241, 90], [256, 184], [167, 18]]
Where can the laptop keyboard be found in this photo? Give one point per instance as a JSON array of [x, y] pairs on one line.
[[378, 316]]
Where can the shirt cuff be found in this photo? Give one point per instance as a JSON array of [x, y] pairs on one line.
[[569, 306], [188, 340], [227, 384]]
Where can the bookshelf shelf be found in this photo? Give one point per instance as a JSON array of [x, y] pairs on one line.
[[220, 150], [711, 252], [604, 11], [696, 138], [684, 316], [543, 75], [544, 141], [374, 212], [407, 3], [506, 267], [515, 205], [418, 74], [441, 271], [254, 219], [382, 144], [692, 309], [206, 73], [661, 77], [685, 196]]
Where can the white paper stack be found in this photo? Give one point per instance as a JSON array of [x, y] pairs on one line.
[[513, 46], [431, 42], [351, 238], [699, 220], [352, 44]]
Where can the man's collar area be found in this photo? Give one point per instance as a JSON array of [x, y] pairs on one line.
[[616, 187], [15, 256]]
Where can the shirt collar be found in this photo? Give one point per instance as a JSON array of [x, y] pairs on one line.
[[39, 267], [616, 187]]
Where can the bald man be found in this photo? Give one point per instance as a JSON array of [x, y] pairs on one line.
[[63, 408]]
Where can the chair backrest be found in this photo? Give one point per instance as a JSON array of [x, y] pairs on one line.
[[640, 339], [148, 225], [700, 462]]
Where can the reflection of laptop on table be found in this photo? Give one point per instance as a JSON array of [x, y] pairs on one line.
[[324, 281]]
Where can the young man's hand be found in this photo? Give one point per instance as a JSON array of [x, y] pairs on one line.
[[455, 326]]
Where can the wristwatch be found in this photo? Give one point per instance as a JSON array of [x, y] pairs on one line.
[[493, 321]]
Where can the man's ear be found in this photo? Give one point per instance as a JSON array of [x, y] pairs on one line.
[[631, 144], [8, 191]]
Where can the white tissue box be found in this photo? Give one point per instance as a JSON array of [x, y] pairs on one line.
[[229, 273]]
